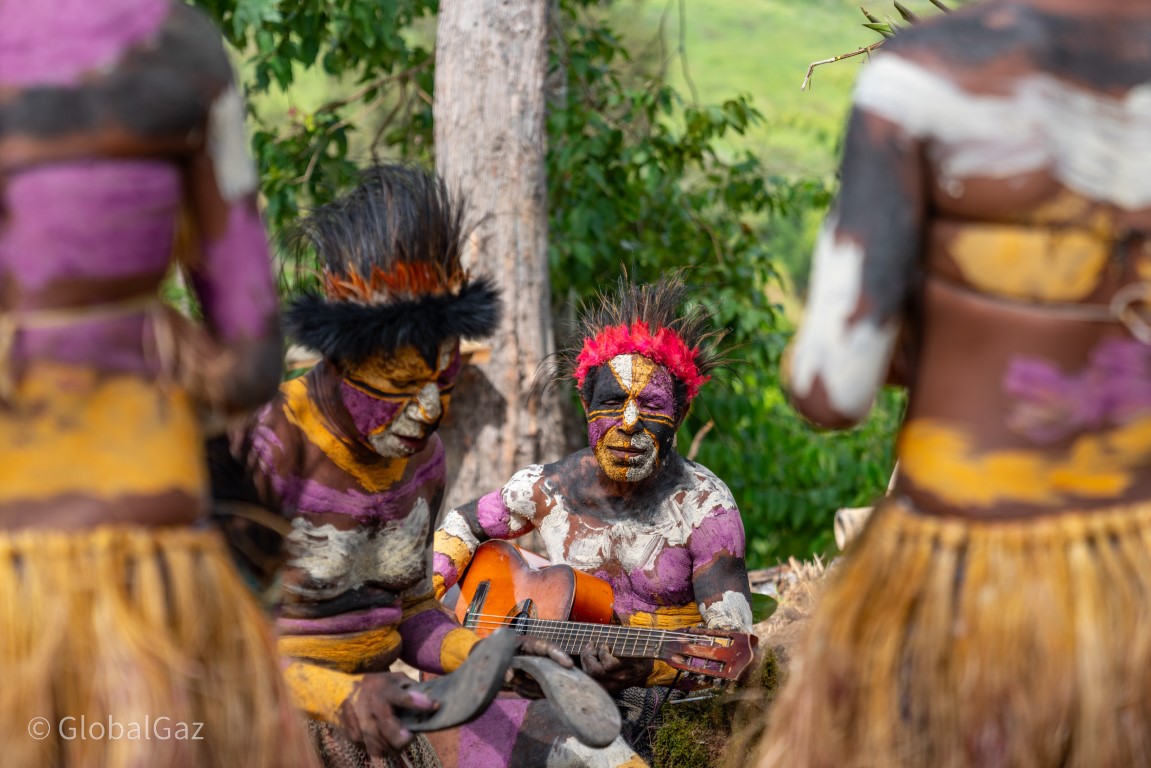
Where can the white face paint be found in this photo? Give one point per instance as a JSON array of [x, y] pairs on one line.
[[1095, 144], [850, 360], [338, 561], [232, 164]]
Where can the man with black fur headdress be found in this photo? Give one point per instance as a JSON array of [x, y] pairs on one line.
[[348, 454]]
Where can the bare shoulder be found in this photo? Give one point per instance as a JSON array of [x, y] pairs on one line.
[[703, 491]]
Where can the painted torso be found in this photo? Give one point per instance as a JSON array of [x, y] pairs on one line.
[[673, 559], [113, 117], [1024, 203], [359, 548]]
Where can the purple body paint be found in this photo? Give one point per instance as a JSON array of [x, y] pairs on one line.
[[236, 286], [357, 621], [489, 739], [1053, 405], [423, 635], [54, 42], [720, 532], [89, 220], [304, 494], [493, 516]]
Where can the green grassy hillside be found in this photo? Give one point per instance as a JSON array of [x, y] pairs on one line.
[[763, 48]]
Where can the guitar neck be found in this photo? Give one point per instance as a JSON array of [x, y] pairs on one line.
[[630, 642]]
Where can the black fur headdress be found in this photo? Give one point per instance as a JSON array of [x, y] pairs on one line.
[[389, 257]]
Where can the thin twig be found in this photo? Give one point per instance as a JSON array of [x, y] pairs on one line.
[[833, 59], [683, 53], [696, 441]]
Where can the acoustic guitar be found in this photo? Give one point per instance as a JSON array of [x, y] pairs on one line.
[[508, 586]]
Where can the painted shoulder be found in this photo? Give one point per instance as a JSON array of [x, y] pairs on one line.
[[705, 492]]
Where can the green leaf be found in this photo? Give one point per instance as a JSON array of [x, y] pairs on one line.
[[762, 607]]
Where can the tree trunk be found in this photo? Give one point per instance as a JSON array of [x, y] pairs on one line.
[[491, 58]]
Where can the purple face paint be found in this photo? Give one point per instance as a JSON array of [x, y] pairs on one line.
[[94, 219], [55, 42], [368, 413]]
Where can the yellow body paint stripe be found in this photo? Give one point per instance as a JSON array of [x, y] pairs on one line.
[[105, 436], [345, 652], [458, 643], [1029, 263], [303, 413], [941, 460], [318, 691]]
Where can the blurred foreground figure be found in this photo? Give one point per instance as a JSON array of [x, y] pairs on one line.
[[996, 205], [126, 636]]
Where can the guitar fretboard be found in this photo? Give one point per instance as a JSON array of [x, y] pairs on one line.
[[573, 636]]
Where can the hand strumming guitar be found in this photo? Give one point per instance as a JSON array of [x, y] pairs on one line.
[[612, 672]]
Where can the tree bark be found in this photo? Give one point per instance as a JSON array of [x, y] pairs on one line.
[[490, 141]]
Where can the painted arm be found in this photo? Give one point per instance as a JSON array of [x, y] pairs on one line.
[[433, 639], [864, 261], [504, 514], [718, 572], [237, 364]]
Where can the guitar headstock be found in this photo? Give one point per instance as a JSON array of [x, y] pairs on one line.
[[710, 652]]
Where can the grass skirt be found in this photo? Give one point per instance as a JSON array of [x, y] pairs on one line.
[[943, 642], [133, 646]]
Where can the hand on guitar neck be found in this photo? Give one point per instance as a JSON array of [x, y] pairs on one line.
[[573, 610]]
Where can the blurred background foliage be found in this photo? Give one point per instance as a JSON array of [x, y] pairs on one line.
[[677, 136]]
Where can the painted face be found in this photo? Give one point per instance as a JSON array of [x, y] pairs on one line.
[[397, 401], [631, 417]]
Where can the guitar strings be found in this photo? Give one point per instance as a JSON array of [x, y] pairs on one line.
[[571, 629]]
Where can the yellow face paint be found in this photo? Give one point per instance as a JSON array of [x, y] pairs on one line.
[[940, 459], [1027, 263], [397, 400]]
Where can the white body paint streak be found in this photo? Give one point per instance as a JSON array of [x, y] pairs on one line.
[[572, 753], [1096, 145], [234, 168], [633, 543], [455, 525], [517, 496], [850, 360], [340, 561], [731, 612]]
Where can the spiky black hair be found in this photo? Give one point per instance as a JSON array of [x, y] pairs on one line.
[[389, 252], [659, 305]]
